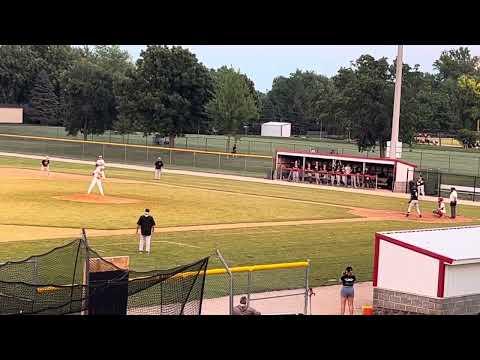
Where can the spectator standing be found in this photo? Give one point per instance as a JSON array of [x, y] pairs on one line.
[[453, 203], [421, 186], [146, 225], [347, 292]]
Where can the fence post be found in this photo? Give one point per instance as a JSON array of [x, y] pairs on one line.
[[194, 158], [231, 281], [245, 165], [170, 156], [439, 191], [474, 187], [83, 148], [307, 274], [249, 282], [449, 160], [186, 142], [219, 161], [110, 136], [206, 144], [271, 150], [125, 145], [478, 167], [249, 146], [103, 150], [293, 147]]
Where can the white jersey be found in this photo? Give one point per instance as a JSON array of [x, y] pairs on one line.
[[441, 208], [97, 173], [453, 196], [100, 162]]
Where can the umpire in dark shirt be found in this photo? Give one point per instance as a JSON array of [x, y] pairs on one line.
[[146, 224]]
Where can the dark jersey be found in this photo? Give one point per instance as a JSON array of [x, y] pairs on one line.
[[413, 194], [45, 162], [146, 223], [158, 164], [348, 280]]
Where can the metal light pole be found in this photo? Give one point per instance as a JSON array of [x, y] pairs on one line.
[[396, 103]]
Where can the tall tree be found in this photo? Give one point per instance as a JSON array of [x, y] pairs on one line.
[[45, 107], [176, 88], [90, 98], [367, 99], [233, 104]]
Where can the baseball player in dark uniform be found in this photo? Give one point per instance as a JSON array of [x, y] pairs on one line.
[[146, 224], [45, 165], [413, 200], [158, 168]]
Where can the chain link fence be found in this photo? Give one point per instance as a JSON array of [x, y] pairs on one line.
[[271, 289], [444, 159], [248, 165]]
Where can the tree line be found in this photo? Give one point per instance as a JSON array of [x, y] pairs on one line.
[[168, 91]]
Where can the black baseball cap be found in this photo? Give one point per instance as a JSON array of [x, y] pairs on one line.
[[147, 210], [349, 268]]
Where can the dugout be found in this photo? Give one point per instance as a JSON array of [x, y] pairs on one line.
[[371, 172], [430, 271]]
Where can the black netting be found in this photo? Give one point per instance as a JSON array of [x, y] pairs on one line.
[[56, 283]]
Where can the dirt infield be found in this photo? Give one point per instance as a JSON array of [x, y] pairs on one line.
[[97, 199]]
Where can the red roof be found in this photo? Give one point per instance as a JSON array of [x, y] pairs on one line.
[[363, 158]]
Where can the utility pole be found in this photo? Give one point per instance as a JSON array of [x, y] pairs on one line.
[[396, 103]]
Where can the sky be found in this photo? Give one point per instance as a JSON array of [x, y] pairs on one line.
[[262, 63]]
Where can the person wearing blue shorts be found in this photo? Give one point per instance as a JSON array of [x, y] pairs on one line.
[[347, 293]]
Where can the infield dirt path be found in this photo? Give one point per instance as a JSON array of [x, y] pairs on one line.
[[21, 232]]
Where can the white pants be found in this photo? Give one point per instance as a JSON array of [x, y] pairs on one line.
[[353, 179], [144, 243], [158, 173], [413, 203], [344, 179], [421, 190], [295, 176], [98, 182]]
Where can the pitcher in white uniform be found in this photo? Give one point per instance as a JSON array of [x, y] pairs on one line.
[[97, 180], [100, 162]]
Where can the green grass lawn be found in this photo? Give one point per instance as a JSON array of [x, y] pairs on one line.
[[181, 199]]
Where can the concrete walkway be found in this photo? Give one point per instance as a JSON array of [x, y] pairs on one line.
[[326, 301], [383, 193]]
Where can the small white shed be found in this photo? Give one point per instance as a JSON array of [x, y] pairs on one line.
[[436, 263], [279, 129], [11, 114]]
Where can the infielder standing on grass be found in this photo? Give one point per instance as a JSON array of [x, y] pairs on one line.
[[158, 168], [97, 180], [413, 199], [146, 224], [45, 165]]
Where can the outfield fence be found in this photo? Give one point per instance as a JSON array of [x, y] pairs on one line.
[[445, 159], [266, 287], [222, 162]]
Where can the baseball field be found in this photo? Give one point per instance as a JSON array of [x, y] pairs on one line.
[[251, 223]]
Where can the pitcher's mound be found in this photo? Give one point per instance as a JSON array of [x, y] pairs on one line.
[[97, 199]]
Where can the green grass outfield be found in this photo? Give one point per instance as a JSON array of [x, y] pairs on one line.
[[455, 161], [180, 200]]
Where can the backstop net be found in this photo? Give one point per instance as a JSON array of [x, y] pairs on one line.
[[74, 279]]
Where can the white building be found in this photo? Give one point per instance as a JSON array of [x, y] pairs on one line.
[[431, 266], [11, 115], [273, 128]]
